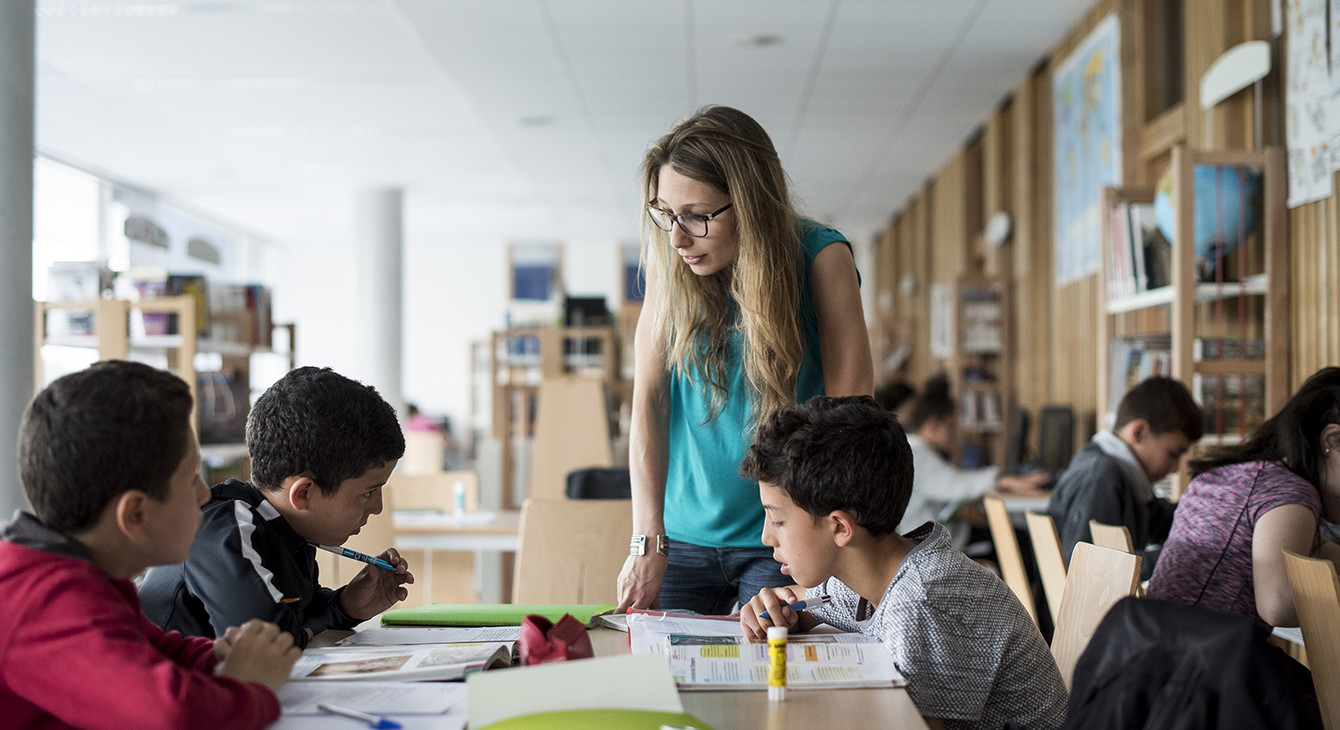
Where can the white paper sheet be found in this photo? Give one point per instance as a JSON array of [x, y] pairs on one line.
[[405, 635]]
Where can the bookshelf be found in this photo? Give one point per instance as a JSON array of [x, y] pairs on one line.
[[979, 366], [1226, 339]]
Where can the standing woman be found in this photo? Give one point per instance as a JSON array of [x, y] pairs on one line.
[[748, 307], [1248, 503]]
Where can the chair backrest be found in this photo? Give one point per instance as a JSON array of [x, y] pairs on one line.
[[434, 491], [571, 550], [423, 452], [374, 537], [1316, 596], [1098, 577], [600, 484], [1056, 437], [1051, 561], [1117, 537], [571, 432], [1007, 553]]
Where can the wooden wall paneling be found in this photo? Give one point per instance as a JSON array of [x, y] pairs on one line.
[[883, 315], [1031, 245], [917, 255], [997, 182], [973, 200], [1212, 27]]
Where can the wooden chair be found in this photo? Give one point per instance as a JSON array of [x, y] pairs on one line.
[[1316, 596], [571, 432], [1117, 537], [1007, 553], [1050, 558], [423, 452], [571, 551], [1098, 577]]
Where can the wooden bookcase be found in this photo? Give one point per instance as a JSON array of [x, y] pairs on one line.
[[1249, 304], [980, 367]]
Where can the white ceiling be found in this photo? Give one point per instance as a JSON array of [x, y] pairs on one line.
[[515, 119]]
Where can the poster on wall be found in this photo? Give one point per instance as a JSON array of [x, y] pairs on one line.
[[1307, 97], [1086, 117]]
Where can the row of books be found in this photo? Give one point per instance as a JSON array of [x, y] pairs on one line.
[[235, 313], [1140, 257]]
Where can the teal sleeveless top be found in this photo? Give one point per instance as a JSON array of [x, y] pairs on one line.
[[706, 501]]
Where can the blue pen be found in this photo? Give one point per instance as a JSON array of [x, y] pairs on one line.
[[346, 552], [371, 720], [804, 604]]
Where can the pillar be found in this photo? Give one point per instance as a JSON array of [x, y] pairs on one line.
[[377, 254]]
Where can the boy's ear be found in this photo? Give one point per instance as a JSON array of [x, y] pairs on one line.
[[300, 491], [843, 527], [131, 514], [1139, 429]]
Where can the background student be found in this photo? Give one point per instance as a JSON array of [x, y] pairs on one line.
[[940, 486], [1248, 503], [109, 461], [1111, 479], [834, 476], [322, 447], [749, 307]]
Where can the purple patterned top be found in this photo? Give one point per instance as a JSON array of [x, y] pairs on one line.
[[1207, 559]]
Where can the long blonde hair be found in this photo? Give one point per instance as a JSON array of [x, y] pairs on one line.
[[727, 149]]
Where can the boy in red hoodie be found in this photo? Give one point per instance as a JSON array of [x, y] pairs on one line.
[[110, 463]]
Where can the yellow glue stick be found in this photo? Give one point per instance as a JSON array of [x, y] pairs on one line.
[[777, 662]]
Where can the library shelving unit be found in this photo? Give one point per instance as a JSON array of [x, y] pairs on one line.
[[114, 336], [114, 333], [979, 367], [520, 357], [1233, 330]]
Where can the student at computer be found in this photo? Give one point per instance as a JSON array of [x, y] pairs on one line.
[[941, 487], [834, 476], [109, 461], [322, 447], [1111, 479]]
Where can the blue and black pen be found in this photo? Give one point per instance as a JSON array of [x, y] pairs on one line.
[[346, 552]]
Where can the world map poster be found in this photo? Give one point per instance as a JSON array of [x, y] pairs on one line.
[[1086, 119]]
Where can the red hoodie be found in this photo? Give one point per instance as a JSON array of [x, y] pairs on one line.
[[76, 651]]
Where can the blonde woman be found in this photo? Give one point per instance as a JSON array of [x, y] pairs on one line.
[[749, 307]]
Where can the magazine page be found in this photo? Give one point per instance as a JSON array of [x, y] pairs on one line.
[[404, 635], [813, 661], [648, 630], [406, 663]]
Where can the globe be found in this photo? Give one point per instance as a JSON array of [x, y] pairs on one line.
[[1227, 210]]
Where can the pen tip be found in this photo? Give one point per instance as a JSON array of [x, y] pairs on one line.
[[386, 724]]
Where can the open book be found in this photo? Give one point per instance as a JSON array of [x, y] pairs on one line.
[[402, 663], [813, 661]]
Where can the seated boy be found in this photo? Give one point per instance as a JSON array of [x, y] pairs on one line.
[[1111, 479], [322, 447], [834, 476], [108, 459], [941, 487]]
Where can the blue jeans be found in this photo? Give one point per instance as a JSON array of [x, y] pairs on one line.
[[712, 580]]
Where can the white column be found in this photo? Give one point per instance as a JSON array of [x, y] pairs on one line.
[[377, 253], [18, 64]]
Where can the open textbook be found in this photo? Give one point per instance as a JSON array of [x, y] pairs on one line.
[[813, 661], [402, 663]]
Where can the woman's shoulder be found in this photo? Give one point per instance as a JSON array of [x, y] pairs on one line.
[[815, 236]]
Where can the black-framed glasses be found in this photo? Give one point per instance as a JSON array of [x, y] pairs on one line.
[[692, 224]]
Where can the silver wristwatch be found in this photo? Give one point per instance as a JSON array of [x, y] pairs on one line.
[[638, 545]]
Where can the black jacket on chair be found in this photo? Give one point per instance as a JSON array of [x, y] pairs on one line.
[[1154, 664]]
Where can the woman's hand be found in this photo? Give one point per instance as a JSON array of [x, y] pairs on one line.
[[640, 581]]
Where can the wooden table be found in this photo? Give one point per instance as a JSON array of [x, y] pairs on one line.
[[488, 540], [746, 710]]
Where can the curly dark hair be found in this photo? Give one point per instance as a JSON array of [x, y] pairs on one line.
[[836, 454], [318, 424]]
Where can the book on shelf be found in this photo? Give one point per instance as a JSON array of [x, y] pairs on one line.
[[1140, 257], [410, 663], [1134, 359], [1228, 348], [1232, 404], [813, 661]]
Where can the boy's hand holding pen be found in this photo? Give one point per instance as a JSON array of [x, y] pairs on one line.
[[778, 607]]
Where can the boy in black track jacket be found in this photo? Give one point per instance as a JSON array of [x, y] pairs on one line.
[[322, 447]]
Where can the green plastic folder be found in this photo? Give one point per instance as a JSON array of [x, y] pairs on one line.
[[486, 614]]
